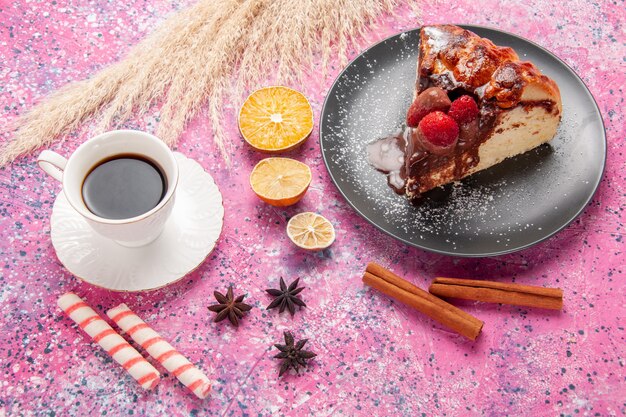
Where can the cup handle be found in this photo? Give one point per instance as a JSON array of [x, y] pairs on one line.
[[52, 164]]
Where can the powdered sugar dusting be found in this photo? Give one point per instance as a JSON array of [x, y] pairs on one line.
[[494, 211]]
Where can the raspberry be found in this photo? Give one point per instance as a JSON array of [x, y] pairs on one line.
[[463, 109], [431, 99], [439, 129], [415, 114]]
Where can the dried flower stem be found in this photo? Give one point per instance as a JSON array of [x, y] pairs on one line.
[[213, 50]]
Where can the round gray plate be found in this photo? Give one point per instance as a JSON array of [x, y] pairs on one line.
[[509, 207]]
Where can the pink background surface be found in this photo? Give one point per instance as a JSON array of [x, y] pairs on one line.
[[375, 357]]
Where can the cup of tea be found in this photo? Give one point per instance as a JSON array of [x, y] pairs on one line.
[[123, 183]]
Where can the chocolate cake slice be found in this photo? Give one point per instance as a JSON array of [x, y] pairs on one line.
[[475, 105]]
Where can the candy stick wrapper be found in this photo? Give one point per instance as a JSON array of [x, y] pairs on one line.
[[159, 349], [115, 345]]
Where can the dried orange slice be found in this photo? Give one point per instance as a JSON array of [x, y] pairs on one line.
[[280, 181], [275, 119], [310, 231]]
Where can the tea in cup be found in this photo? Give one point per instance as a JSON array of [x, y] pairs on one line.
[[122, 183]]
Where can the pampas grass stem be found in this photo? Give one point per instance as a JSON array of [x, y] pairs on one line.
[[211, 51]]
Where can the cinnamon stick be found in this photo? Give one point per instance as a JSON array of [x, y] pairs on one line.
[[396, 287], [497, 292]]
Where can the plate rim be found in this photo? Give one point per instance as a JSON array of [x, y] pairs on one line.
[[583, 207]]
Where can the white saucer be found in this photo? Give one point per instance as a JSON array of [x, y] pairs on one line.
[[189, 236]]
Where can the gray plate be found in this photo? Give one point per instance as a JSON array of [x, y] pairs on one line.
[[509, 207]]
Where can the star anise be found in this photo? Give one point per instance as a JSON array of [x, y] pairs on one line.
[[292, 354], [286, 297], [229, 306]]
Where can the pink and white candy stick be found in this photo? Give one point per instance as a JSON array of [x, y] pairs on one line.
[[115, 345], [159, 349]]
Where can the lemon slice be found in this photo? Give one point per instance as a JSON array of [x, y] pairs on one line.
[[275, 119], [310, 231], [280, 181]]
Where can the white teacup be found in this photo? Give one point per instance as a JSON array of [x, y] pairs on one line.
[[136, 231]]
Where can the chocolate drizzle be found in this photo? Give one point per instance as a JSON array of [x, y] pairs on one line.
[[419, 162]]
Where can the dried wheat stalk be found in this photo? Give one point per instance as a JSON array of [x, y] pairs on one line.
[[213, 50]]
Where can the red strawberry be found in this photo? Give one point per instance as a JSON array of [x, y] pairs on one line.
[[431, 99], [463, 109], [439, 132]]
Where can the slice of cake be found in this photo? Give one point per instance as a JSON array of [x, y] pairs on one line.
[[475, 104]]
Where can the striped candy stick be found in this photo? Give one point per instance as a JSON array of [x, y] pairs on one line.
[[159, 349], [115, 345]]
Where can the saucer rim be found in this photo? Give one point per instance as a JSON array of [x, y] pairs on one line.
[[185, 274]]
